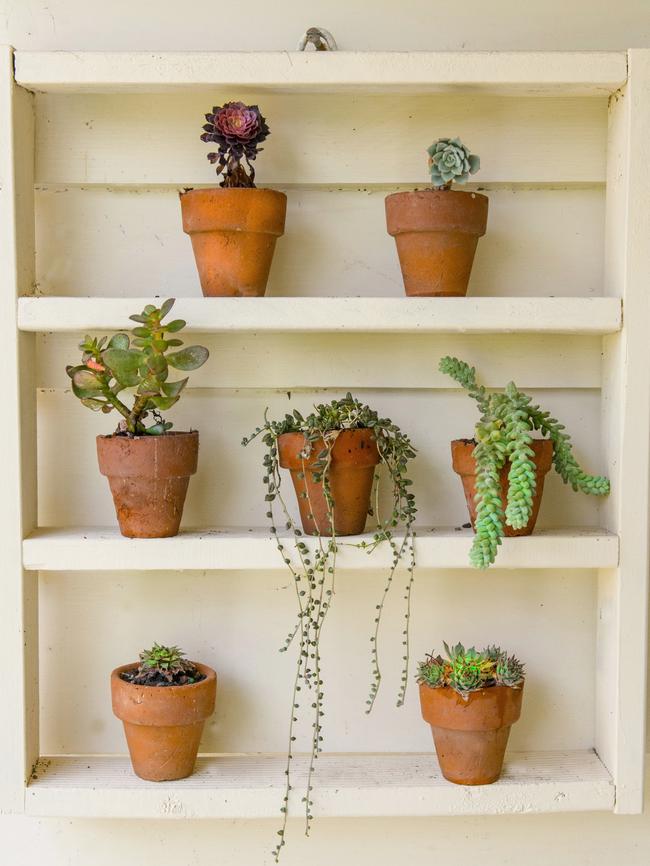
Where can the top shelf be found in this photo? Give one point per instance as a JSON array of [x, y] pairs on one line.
[[520, 73], [504, 315]]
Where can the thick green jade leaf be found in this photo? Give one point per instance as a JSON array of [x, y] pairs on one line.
[[72, 369], [142, 332], [157, 364], [95, 405], [164, 403], [176, 325], [138, 318], [119, 341], [173, 389], [86, 380], [149, 309], [149, 387], [159, 429], [166, 307], [189, 358], [123, 364]]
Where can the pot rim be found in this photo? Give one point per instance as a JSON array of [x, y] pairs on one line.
[[338, 449], [463, 463], [474, 691], [482, 710], [431, 190], [231, 189], [146, 437]]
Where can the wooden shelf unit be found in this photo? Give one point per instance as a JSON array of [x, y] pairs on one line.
[[611, 777]]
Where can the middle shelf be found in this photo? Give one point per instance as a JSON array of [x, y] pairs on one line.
[[232, 549]]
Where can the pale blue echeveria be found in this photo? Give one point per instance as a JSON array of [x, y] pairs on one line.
[[450, 161]]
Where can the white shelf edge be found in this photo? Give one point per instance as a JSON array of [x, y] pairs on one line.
[[495, 315], [345, 785], [98, 549], [534, 73]]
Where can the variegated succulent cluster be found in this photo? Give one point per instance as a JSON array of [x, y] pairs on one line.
[[451, 162], [504, 436], [238, 129], [108, 367], [164, 666], [468, 670]]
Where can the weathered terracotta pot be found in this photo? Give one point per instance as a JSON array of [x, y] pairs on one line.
[[233, 233], [436, 232], [471, 735], [148, 477], [354, 457], [464, 464], [163, 724]]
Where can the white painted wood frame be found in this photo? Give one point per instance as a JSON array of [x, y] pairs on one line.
[[19, 607], [608, 777], [623, 601]]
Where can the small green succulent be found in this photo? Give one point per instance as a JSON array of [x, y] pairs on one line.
[[509, 670], [469, 670], [164, 666], [450, 161]]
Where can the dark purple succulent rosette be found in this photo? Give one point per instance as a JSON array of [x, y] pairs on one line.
[[238, 129]]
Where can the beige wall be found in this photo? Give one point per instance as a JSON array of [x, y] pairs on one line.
[[408, 24]]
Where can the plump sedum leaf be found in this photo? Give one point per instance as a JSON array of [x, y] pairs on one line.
[[141, 363]]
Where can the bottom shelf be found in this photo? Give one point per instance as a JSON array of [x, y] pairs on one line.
[[345, 785]]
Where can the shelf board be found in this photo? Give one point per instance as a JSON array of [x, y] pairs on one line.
[[503, 315], [345, 786], [99, 549], [530, 73]]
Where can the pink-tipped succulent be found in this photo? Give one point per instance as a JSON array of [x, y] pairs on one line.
[[238, 129]]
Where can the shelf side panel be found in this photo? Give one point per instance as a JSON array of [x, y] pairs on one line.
[[622, 622], [19, 608]]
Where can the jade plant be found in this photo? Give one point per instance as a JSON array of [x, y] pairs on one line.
[[469, 670], [450, 161], [141, 362], [314, 568], [503, 436], [163, 666], [238, 129]]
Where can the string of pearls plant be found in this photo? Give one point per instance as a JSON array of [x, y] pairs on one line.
[[314, 572]]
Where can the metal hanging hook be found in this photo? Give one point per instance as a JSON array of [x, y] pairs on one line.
[[319, 37]]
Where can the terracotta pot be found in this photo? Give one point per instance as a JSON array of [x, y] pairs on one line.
[[354, 457], [462, 458], [233, 233], [148, 477], [471, 735], [163, 724], [436, 232]]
